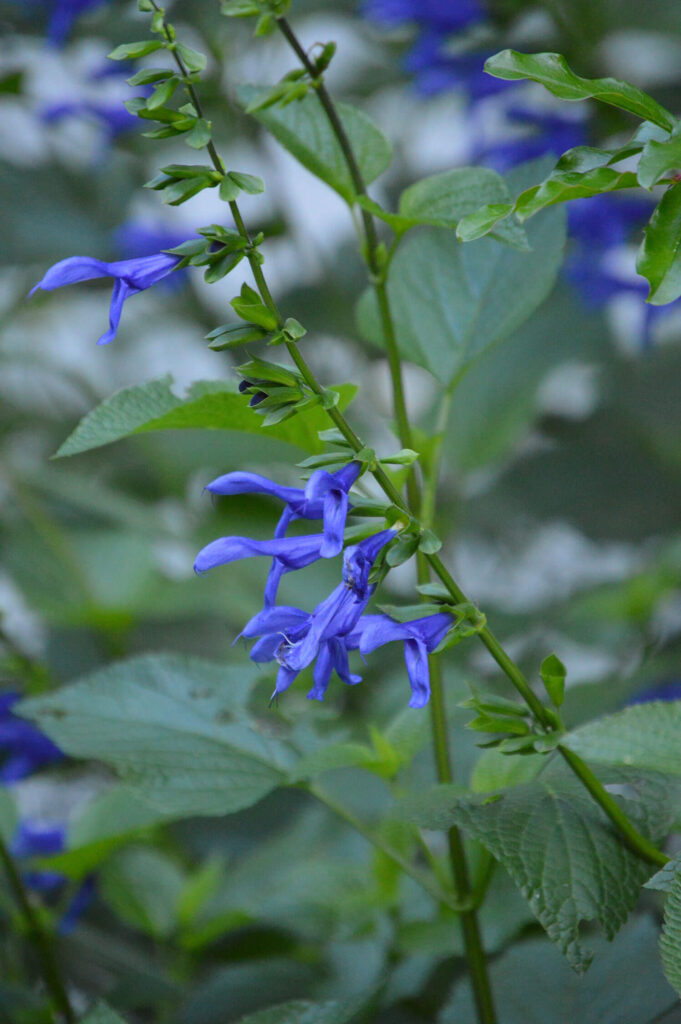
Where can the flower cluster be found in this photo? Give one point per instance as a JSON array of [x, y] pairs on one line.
[[296, 639]]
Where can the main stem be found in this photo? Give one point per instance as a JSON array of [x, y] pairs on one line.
[[636, 842], [41, 940]]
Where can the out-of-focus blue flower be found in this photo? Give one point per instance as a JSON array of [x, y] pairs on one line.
[[295, 639], [420, 637], [130, 277], [443, 15], [436, 69], [113, 117], [40, 839], [604, 221], [136, 238], [548, 133], [23, 748], [325, 497], [63, 15], [670, 689]]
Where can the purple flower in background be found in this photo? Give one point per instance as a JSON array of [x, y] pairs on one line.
[[295, 639], [604, 221], [443, 15], [436, 69], [325, 497], [420, 637], [63, 14], [548, 133], [113, 117], [23, 748], [670, 689], [130, 277], [41, 839]]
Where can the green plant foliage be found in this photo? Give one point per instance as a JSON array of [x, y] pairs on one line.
[[304, 1013], [658, 158], [172, 728], [102, 1014], [659, 260], [8, 815], [645, 736], [303, 129], [553, 72], [143, 886], [532, 830], [208, 405], [452, 303], [670, 940]]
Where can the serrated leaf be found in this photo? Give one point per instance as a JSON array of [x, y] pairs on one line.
[[553, 72], [625, 984], [207, 405], [300, 1012], [646, 736], [663, 880], [559, 847], [659, 258], [451, 303], [670, 940], [170, 728], [303, 129]]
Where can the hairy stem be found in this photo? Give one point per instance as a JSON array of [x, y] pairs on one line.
[[40, 938]]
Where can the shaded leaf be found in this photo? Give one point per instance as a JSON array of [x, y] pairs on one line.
[[659, 260], [670, 940], [208, 405], [646, 736]]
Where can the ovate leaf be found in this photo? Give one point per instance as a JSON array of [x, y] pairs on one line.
[[453, 302], [558, 847], [173, 728], [646, 736], [658, 159], [553, 72], [303, 129], [659, 260], [207, 405], [102, 1014]]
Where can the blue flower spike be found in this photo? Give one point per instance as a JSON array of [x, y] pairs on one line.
[[420, 638], [295, 639], [130, 277]]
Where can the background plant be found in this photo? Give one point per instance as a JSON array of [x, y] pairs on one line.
[[92, 553]]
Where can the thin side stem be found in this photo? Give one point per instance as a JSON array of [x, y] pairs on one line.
[[424, 880], [41, 940]]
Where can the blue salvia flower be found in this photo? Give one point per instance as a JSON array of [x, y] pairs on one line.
[[549, 132], [325, 497], [23, 748], [442, 15], [42, 839], [420, 637], [670, 689], [63, 15], [295, 638], [130, 277], [113, 117]]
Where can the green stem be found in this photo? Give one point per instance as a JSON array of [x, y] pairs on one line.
[[41, 940], [429, 885], [633, 838], [429, 497]]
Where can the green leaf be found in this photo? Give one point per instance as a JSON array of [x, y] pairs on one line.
[[9, 816], [143, 887], [300, 1012], [199, 136], [329, 757], [553, 673], [646, 736], [451, 303], [229, 190], [302, 128], [443, 199], [494, 770], [658, 159], [553, 72], [101, 1013], [171, 728], [559, 187], [133, 51], [558, 847], [162, 93], [663, 880], [625, 984], [670, 940], [248, 183], [208, 405], [659, 260], [194, 60]]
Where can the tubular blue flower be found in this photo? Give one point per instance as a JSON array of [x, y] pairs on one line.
[[295, 639], [63, 15], [42, 839], [113, 117], [420, 637], [23, 748], [325, 497], [443, 15], [130, 277]]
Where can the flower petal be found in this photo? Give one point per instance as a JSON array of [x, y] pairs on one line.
[[294, 552], [335, 514], [322, 673], [416, 657], [253, 483], [340, 663]]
